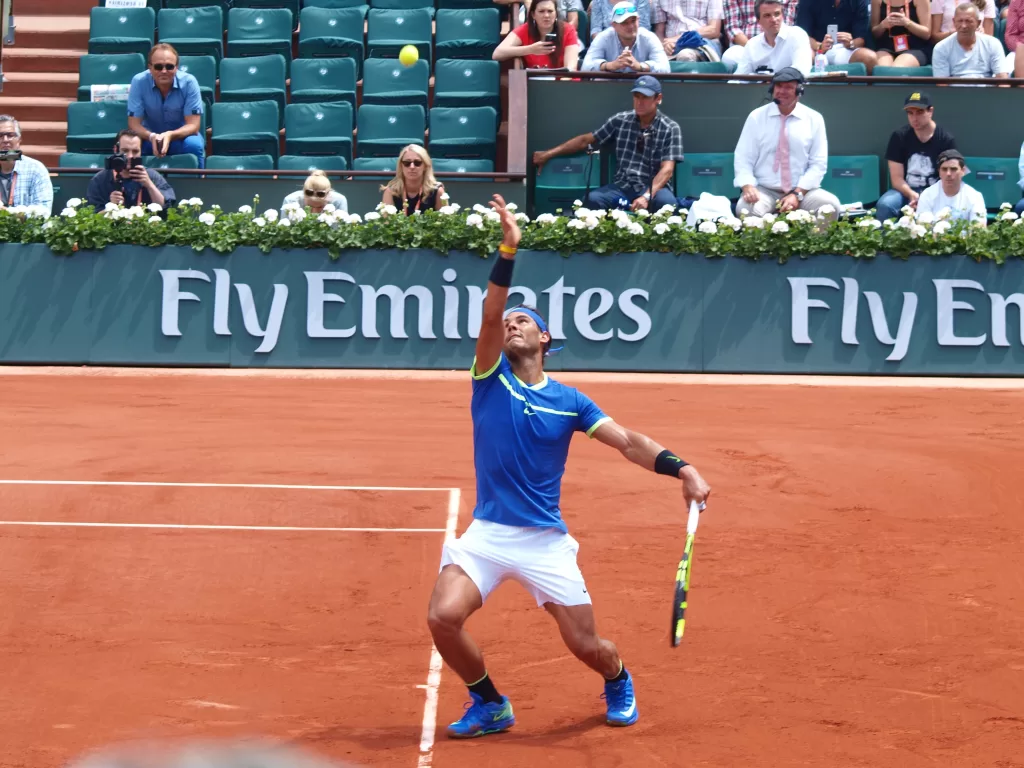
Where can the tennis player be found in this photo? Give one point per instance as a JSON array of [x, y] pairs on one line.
[[523, 422]]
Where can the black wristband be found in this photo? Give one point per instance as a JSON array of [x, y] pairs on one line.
[[669, 464], [501, 272]]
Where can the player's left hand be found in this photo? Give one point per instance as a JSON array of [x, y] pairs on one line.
[[509, 225], [695, 487]]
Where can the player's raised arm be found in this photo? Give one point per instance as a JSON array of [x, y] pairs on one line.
[[643, 451], [492, 326]]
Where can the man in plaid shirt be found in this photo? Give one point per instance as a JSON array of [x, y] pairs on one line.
[[741, 21], [647, 147], [22, 182], [671, 18]]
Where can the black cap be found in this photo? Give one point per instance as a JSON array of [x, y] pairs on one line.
[[918, 100], [788, 75], [951, 154]]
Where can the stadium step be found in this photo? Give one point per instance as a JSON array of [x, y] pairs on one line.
[[60, 8], [48, 155], [51, 109], [44, 132], [57, 84], [41, 60], [51, 32]]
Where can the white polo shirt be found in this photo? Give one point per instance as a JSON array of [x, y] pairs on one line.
[[792, 49], [965, 205]]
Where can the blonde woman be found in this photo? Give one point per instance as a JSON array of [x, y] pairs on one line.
[[414, 187], [315, 194]]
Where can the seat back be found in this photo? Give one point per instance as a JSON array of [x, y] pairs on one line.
[[81, 160], [468, 33], [996, 178], [563, 180], [701, 67], [122, 22], [324, 80], [853, 179], [171, 161], [316, 120], [197, 23], [107, 69], [388, 31], [466, 83], [463, 132], [389, 81], [710, 172], [385, 128], [253, 72], [240, 163], [312, 163], [259, 25], [902, 71], [202, 68]]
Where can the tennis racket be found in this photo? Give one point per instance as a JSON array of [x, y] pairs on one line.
[[683, 576]]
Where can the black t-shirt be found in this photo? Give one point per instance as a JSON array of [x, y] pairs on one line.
[[920, 160]]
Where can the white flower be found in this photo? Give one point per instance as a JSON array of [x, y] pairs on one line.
[[353, 218], [259, 221], [475, 220], [522, 217], [591, 222], [297, 214], [619, 214], [941, 228], [661, 228], [69, 213], [890, 224], [906, 210], [36, 212], [666, 210], [675, 221], [643, 213], [826, 210], [446, 210], [512, 207], [74, 202], [925, 218], [1018, 222], [270, 215], [916, 230], [284, 223], [577, 203], [154, 208], [582, 213], [905, 222], [214, 207], [1008, 216], [622, 222], [195, 201], [391, 210], [964, 234], [798, 215], [1002, 207], [110, 207], [732, 222], [330, 208], [753, 222], [207, 218], [49, 224], [479, 208], [869, 222], [780, 228], [445, 197], [136, 212], [769, 218], [708, 228], [245, 209], [155, 219], [290, 207], [944, 213], [599, 213], [492, 216], [636, 228], [546, 218], [372, 216], [329, 220], [576, 224]]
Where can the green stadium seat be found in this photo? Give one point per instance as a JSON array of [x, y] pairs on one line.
[[466, 4], [329, 33], [403, 5], [698, 67], [171, 161], [312, 163], [318, 129], [902, 71], [462, 83], [996, 178], [390, 31], [386, 166], [467, 34], [384, 129], [204, 70], [82, 160], [316, 80], [254, 78], [193, 31], [335, 4], [121, 30], [93, 126], [853, 179], [563, 180], [107, 69], [387, 81], [583, 29], [224, 5], [260, 31], [458, 165], [291, 5], [246, 128], [463, 132], [239, 163], [854, 68], [706, 172]]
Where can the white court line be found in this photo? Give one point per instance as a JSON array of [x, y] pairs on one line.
[[187, 527], [271, 486], [426, 757]]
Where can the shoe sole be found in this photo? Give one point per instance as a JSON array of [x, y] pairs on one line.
[[481, 732], [622, 723]]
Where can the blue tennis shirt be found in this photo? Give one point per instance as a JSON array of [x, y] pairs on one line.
[[521, 436], [157, 113]]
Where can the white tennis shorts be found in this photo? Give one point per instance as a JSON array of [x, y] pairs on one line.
[[543, 560]]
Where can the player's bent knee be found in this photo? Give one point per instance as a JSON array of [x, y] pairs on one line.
[[445, 618]]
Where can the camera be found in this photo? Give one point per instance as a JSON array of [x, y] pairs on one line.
[[119, 162], [10, 155]]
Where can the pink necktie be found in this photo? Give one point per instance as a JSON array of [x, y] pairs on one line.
[[782, 155]]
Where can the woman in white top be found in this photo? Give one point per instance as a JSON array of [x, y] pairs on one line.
[[315, 194], [944, 10], [964, 201]]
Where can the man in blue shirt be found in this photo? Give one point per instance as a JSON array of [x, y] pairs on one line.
[[165, 107], [852, 22], [523, 423]]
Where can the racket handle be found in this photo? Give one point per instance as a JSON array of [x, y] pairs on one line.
[[694, 517]]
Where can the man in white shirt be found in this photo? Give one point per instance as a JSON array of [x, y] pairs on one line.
[[1019, 207], [967, 53], [964, 201], [778, 46], [782, 154]]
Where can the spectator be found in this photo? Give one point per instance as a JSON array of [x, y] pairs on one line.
[[165, 107], [782, 153], [316, 194], [741, 24], [913, 156], [626, 47], [414, 187], [601, 16], [129, 186], [23, 181], [647, 147], [1019, 207], [853, 20], [674, 17], [1013, 36], [943, 12], [570, 11], [964, 202], [902, 39], [778, 46], [530, 41], [968, 54]]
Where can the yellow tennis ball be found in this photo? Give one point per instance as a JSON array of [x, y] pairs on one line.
[[409, 55]]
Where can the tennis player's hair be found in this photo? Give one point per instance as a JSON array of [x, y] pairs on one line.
[[547, 344]]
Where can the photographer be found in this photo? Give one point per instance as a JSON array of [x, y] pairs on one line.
[[23, 181], [125, 181]]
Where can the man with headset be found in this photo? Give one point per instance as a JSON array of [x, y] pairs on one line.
[[782, 153]]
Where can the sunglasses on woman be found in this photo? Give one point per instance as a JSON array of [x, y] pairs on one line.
[[162, 67], [412, 163], [623, 11], [319, 193]]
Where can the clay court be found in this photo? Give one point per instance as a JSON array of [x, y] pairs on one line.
[[857, 595]]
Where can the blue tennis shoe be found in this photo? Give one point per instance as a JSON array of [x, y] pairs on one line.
[[621, 702], [482, 718]]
